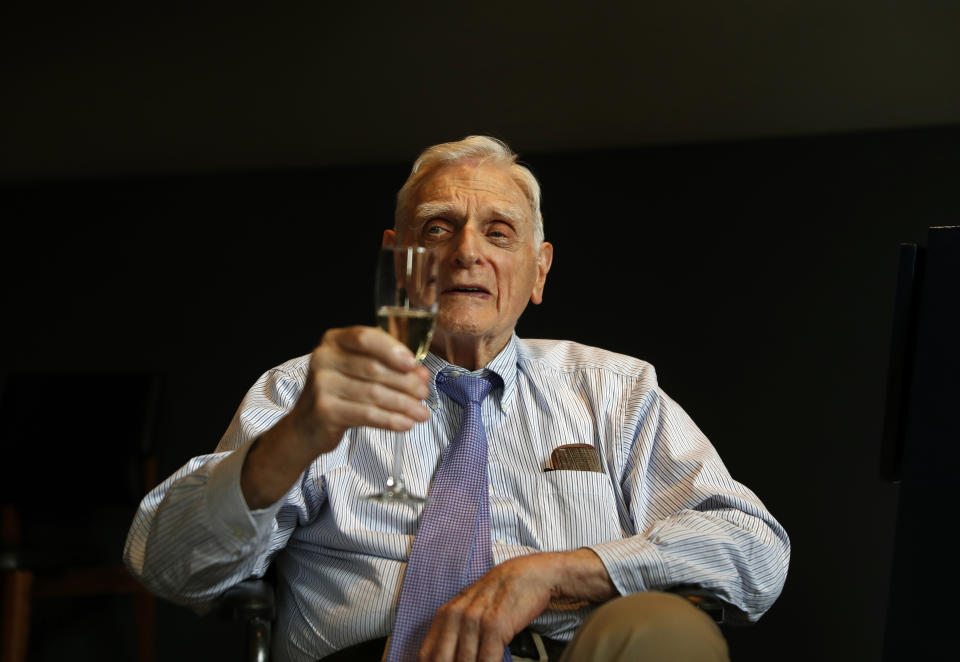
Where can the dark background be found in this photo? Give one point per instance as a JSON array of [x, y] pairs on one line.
[[198, 191]]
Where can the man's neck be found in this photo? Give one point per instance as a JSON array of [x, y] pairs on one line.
[[468, 352]]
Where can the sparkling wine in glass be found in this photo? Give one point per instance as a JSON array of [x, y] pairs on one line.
[[406, 304]]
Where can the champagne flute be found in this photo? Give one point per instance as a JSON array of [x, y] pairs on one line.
[[406, 305]]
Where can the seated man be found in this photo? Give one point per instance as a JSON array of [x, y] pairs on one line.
[[648, 507]]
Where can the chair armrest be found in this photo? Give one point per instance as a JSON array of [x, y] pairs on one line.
[[251, 598], [252, 602], [723, 613]]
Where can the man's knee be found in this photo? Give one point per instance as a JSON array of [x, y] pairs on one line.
[[649, 626]]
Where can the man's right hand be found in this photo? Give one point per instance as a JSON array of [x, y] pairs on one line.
[[358, 376]]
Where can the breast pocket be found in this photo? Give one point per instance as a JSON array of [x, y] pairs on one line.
[[571, 509]]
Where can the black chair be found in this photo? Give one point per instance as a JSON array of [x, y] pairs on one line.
[[252, 602], [77, 453]]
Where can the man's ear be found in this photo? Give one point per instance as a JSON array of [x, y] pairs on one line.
[[544, 260], [389, 238]]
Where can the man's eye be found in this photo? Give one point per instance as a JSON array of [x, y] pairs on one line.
[[499, 231], [434, 229]]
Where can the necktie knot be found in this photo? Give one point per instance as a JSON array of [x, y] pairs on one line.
[[467, 388]]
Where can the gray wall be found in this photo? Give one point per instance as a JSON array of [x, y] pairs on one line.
[[148, 88]]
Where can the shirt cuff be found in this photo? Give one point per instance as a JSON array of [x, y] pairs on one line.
[[231, 520], [634, 564]]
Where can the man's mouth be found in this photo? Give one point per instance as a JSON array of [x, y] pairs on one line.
[[466, 289]]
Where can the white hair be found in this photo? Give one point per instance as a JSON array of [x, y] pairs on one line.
[[482, 148]]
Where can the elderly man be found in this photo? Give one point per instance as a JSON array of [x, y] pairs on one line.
[[587, 552]]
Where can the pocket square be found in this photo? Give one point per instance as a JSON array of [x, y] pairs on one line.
[[575, 457]]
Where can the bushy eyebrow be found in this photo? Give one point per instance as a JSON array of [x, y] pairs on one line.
[[427, 210], [511, 213]]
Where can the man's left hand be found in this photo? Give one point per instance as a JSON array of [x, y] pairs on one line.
[[479, 622]]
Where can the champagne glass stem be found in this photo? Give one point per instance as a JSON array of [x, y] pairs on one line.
[[395, 481]]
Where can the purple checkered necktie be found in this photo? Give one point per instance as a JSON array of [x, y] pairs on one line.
[[452, 547]]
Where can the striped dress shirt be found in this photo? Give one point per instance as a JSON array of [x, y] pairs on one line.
[[663, 512]]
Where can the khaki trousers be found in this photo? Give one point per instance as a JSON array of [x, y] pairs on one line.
[[648, 627]]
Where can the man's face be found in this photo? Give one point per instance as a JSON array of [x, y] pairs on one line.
[[481, 224]]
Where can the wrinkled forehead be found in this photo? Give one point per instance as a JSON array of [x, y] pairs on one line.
[[462, 184]]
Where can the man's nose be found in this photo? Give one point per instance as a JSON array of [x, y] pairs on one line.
[[466, 252]]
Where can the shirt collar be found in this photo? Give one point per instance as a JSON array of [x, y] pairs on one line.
[[503, 364]]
